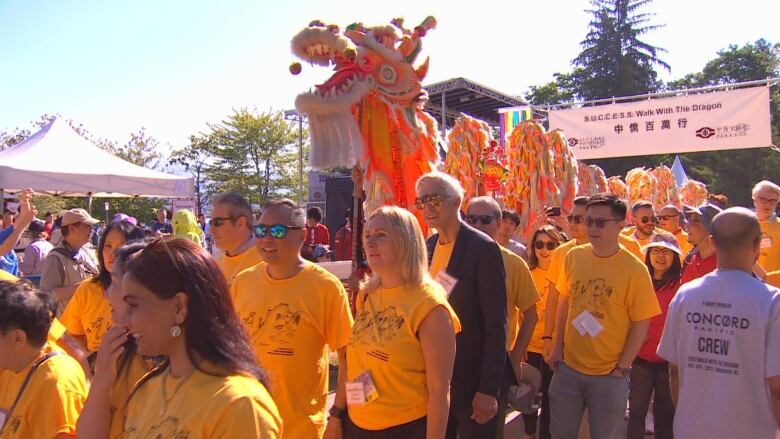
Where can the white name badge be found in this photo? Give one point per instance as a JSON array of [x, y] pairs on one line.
[[585, 323], [766, 242], [355, 394], [446, 281]]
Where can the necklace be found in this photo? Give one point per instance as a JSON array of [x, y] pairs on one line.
[[166, 399]]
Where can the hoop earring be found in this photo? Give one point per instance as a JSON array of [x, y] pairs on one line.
[[175, 331]]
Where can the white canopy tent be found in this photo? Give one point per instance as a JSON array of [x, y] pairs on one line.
[[58, 161]]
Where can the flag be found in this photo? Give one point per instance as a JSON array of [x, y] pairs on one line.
[[678, 171], [511, 117]]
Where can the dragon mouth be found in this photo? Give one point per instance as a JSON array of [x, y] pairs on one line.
[[318, 45]]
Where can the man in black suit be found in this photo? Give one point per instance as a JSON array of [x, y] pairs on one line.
[[468, 264]]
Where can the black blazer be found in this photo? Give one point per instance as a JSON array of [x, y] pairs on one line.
[[479, 300]]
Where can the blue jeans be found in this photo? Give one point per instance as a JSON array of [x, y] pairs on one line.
[[570, 392]]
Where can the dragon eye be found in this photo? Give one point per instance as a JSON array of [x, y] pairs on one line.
[[388, 74]]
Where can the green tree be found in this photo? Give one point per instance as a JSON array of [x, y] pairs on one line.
[[194, 158], [562, 89], [614, 60], [255, 155]]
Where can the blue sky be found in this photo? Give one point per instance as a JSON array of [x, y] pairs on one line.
[[173, 66]]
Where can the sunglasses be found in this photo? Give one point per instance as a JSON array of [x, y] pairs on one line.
[[647, 219], [667, 217], [278, 231], [217, 221], [767, 200], [432, 200], [575, 219], [549, 244], [484, 219], [600, 223]]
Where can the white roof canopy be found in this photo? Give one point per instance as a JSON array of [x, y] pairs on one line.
[[57, 160]]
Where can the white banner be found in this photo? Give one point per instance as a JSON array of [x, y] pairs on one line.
[[733, 119]]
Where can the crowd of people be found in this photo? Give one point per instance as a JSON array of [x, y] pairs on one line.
[[677, 314]]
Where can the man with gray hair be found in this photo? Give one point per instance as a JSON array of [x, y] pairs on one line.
[[468, 264], [765, 198], [231, 228], [722, 341]]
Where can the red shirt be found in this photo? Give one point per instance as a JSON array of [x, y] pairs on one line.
[[317, 235], [698, 267], [343, 244], [664, 296]]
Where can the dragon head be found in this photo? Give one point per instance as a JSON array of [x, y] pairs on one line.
[[379, 58]]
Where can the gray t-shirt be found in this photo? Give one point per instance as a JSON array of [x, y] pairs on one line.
[[723, 333]]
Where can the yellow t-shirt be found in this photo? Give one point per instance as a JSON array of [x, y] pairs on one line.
[[521, 292], [56, 331], [126, 380], [542, 282], [231, 266], [203, 406], [682, 241], [769, 256], [556, 262], [50, 404], [8, 277], [616, 291], [88, 313], [633, 246], [773, 278], [384, 341], [441, 257], [291, 324]]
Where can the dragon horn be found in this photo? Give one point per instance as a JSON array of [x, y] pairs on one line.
[[427, 24]]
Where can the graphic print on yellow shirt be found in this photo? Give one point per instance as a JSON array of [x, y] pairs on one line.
[[441, 257], [292, 323], [88, 313], [521, 292], [616, 291], [201, 406], [126, 380], [542, 282], [50, 404], [384, 342], [232, 266], [769, 253]]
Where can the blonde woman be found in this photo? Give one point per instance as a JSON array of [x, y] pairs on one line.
[[402, 348]]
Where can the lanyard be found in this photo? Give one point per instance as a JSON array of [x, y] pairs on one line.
[[24, 385]]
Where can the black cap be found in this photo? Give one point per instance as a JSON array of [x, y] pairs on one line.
[[36, 226]]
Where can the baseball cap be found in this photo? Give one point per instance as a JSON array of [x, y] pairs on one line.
[[706, 211], [664, 240], [74, 216]]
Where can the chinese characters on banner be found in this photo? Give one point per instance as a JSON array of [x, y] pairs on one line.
[[733, 119]]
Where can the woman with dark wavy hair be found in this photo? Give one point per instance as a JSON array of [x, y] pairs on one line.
[[87, 316], [178, 305]]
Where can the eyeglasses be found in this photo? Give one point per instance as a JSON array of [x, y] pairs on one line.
[[600, 223], [647, 219], [278, 231], [549, 244], [658, 251], [217, 222], [432, 200], [667, 217], [484, 219], [575, 219], [767, 200]]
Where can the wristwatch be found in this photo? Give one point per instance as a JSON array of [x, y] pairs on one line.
[[338, 412]]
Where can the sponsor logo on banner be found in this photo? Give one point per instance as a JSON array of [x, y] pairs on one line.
[[733, 119]]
